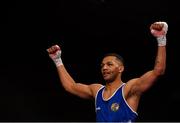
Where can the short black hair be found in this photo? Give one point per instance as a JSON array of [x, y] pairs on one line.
[[120, 58]]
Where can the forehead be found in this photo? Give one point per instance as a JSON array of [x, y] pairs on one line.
[[109, 59]]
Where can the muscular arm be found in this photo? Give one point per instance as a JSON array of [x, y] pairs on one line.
[[144, 82], [78, 89], [135, 87]]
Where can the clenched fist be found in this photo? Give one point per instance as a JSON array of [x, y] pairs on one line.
[[55, 54]]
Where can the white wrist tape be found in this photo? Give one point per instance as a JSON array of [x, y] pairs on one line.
[[57, 59], [161, 40]]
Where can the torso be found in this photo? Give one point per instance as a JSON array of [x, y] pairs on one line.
[[113, 107]]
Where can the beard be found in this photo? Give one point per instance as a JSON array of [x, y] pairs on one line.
[[110, 78]]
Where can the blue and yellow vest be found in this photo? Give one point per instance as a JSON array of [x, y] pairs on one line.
[[115, 108]]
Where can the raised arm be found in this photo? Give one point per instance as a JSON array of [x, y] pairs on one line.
[[143, 83], [81, 90]]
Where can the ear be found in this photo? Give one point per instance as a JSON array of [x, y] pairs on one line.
[[121, 68]]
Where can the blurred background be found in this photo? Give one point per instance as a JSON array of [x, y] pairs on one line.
[[85, 30]]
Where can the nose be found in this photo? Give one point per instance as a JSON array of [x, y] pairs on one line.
[[104, 67]]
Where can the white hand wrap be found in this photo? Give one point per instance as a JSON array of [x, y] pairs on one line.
[[161, 39], [57, 58]]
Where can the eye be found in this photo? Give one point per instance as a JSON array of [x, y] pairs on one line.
[[109, 64]]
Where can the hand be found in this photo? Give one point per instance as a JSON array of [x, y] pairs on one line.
[[55, 54], [159, 30]]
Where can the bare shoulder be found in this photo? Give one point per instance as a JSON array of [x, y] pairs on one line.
[[95, 88], [131, 82], [129, 85]]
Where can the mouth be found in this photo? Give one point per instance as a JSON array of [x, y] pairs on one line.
[[105, 74]]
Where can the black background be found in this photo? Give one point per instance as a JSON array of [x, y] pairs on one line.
[[85, 30]]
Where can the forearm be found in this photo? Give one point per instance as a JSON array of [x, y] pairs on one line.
[[159, 30], [146, 80], [160, 62], [65, 79], [71, 86]]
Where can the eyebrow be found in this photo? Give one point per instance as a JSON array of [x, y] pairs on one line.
[[106, 62]]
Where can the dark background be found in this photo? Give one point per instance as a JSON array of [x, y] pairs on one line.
[[85, 30]]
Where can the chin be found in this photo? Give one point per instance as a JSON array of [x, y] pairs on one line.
[[108, 80]]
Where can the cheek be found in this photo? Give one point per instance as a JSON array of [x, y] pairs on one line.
[[117, 70], [114, 70]]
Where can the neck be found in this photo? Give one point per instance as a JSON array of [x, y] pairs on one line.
[[113, 85]]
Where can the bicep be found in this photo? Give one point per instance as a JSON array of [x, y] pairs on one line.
[[85, 91], [144, 82], [135, 87]]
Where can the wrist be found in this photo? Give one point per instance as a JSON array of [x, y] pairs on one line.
[[161, 40], [57, 59], [58, 62]]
